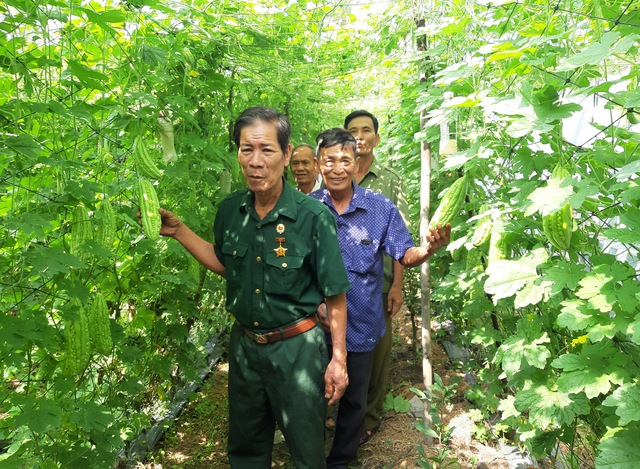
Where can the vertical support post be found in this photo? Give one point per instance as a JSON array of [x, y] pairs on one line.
[[425, 280]]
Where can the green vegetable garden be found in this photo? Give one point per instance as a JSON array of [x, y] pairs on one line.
[[114, 107]]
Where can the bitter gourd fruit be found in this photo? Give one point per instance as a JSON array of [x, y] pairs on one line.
[[149, 209], [100, 328], [145, 166], [451, 203]]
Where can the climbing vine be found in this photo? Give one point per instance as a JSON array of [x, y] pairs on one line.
[[552, 324], [532, 85]]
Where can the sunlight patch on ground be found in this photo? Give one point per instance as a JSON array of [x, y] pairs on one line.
[[179, 457]]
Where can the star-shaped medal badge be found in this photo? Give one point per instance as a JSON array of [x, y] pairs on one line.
[[280, 251]]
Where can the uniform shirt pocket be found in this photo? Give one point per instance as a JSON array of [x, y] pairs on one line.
[[284, 274], [234, 259]]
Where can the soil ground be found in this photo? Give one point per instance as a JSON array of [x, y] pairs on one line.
[[198, 438]]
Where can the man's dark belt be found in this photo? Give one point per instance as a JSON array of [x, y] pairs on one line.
[[293, 330]]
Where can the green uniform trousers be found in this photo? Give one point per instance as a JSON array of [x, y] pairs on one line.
[[279, 382], [379, 381]]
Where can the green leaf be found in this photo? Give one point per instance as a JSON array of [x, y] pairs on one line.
[[608, 285], [550, 198], [600, 332], [153, 55], [627, 294], [30, 223], [526, 345], [523, 126], [631, 218], [103, 18], [484, 335], [531, 294], [593, 54], [535, 355], [387, 405], [562, 275], [29, 327], [52, 260], [593, 370], [91, 78], [507, 407], [631, 231], [631, 98], [502, 55], [634, 329], [38, 414], [92, 417], [584, 189], [506, 277], [401, 405], [620, 451], [590, 289], [592, 382], [425, 430], [547, 407], [144, 318], [23, 144], [546, 103], [624, 235], [626, 400], [630, 169]]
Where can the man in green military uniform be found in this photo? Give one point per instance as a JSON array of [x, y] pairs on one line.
[[279, 252], [372, 175]]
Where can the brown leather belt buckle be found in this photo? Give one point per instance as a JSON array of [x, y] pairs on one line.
[[260, 338], [272, 336]]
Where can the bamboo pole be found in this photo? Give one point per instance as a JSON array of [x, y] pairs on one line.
[[425, 280]]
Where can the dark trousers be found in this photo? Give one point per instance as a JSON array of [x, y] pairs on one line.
[[379, 383], [281, 382], [351, 410]]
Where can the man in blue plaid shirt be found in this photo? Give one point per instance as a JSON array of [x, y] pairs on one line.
[[368, 224]]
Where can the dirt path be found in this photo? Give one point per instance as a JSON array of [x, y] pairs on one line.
[[198, 438]]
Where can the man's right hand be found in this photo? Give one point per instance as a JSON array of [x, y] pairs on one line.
[[336, 380], [200, 249], [170, 222]]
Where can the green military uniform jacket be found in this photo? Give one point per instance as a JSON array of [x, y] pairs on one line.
[[384, 180], [280, 268]]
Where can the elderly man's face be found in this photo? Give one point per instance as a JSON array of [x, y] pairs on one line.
[[338, 164], [261, 157], [304, 166]]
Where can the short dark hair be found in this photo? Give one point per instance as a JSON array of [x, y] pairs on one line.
[[361, 113], [305, 145], [336, 136], [265, 114]]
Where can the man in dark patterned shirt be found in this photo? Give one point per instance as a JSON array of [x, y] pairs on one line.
[[368, 224], [376, 176]]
